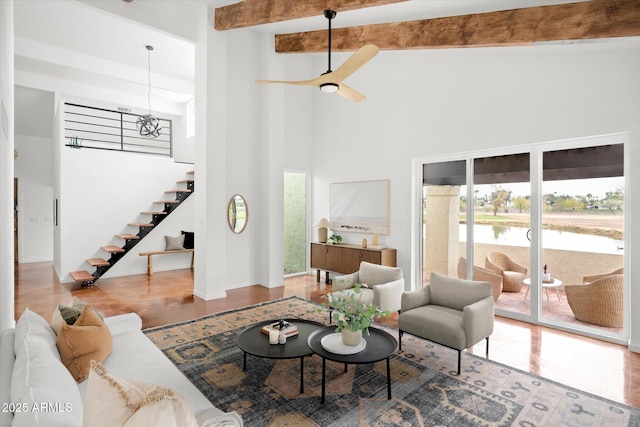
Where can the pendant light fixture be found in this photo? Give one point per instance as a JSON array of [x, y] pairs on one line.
[[149, 125]]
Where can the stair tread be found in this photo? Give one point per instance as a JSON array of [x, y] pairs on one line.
[[112, 249], [81, 276], [98, 262], [153, 213], [128, 236], [182, 181], [178, 191], [191, 172], [140, 224], [166, 201]]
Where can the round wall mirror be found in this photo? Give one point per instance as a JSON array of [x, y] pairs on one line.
[[238, 214]]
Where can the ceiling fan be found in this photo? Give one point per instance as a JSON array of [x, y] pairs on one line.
[[331, 81]]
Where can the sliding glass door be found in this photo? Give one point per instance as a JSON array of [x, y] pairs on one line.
[[443, 217], [544, 225], [583, 237], [501, 223]]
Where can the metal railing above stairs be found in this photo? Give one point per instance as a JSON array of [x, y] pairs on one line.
[[104, 129]]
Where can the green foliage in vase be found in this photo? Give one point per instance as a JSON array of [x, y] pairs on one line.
[[350, 313], [335, 239]]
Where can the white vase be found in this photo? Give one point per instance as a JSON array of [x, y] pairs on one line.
[[350, 337]]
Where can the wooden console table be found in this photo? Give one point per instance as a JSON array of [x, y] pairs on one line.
[[346, 258]]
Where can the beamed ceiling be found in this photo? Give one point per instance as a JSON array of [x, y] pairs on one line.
[[595, 19]]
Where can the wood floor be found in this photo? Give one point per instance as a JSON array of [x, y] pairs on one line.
[[605, 369]]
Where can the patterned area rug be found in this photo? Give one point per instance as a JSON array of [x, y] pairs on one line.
[[425, 389]]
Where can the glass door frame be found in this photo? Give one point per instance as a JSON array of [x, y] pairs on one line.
[[536, 152]]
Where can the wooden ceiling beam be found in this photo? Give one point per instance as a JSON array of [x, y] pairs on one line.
[[571, 21], [256, 12]]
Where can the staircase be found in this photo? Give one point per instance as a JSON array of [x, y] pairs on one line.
[[116, 253]]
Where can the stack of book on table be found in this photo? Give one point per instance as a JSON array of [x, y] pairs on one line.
[[289, 329]]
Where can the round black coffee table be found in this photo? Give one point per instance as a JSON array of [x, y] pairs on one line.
[[380, 345], [252, 341]]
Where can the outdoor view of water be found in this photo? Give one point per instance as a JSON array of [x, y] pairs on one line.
[[516, 236]]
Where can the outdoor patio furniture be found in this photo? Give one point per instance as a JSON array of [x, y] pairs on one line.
[[512, 273], [483, 275], [593, 278], [600, 302]]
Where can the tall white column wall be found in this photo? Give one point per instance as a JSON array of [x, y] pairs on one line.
[[210, 166], [6, 166]]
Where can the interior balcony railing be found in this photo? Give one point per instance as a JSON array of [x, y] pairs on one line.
[[104, 129]]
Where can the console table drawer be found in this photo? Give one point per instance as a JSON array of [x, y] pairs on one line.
[[346, 258]]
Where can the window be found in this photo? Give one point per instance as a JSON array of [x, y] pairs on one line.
[[295, 223]]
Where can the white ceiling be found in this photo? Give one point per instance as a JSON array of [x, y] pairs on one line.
[[410, 10], [70, 33], [102, 42], [108, 37]]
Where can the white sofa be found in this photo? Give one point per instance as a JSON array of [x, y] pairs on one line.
[[37, 377]]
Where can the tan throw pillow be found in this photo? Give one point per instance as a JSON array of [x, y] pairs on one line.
[[113, 401], [86, 340], [174, 243]]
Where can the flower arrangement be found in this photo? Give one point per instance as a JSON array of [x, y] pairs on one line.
[[351, 314]]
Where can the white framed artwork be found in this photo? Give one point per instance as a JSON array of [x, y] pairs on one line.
[[360, 207]]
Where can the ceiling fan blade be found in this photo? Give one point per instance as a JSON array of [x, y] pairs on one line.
[[355, 61], [312, 82], [349, 93]]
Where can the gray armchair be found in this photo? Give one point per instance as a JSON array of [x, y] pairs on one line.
[[382, 285], [455, 313]]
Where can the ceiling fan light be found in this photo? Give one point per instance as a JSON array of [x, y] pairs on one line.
[[329, 87]]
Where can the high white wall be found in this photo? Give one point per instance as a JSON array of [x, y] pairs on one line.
[[246, 134], [436, 102], [34, 170], [6, 165], [229, 159], [242, 155]]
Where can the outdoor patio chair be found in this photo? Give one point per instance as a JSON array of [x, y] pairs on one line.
[[512, 273], [452, 312], [482, 274], [600, 302], [593, 278]]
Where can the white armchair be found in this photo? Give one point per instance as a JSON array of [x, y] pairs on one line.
[[381, 285]]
